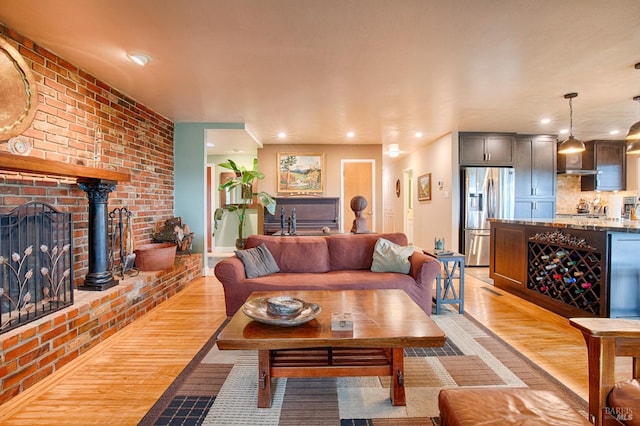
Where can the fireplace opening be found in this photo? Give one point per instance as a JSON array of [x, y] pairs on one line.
[[36, 273]]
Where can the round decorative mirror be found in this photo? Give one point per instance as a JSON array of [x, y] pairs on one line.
[[18, 91]]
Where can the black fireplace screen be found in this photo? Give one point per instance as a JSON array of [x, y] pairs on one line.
[[36, 252]]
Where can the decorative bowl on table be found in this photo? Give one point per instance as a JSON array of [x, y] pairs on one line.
[[284, 306], [258, 309]]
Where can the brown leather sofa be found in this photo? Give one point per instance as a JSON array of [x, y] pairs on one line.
[[610, 402], [332, 262], [505, 406]]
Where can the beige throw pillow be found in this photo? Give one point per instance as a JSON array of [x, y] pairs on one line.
[[391, 257]]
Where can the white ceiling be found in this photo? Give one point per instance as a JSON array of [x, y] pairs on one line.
[[239, 140], [384, 69]]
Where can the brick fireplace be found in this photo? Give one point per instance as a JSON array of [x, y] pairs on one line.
[[74, 110]]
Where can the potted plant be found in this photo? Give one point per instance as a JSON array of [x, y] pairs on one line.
[[243, 181]]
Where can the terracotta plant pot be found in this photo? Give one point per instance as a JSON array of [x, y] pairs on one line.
[[155, 257], [240, 243]]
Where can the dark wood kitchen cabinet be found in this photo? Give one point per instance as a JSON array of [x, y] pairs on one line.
[[534, 208], [535, 176], [508, 256], [570, 267], [609, 158], [487, 149]]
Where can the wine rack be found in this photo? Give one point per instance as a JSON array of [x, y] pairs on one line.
[[566, 273]]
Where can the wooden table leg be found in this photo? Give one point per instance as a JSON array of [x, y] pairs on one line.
[[397, 377], [264, 379], [601, 378]]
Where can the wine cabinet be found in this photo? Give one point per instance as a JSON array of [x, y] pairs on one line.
[[566, 273]]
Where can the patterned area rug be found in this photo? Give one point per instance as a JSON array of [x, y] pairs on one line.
[[220, 387]]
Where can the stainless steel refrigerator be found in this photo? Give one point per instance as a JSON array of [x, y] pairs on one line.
[[488, 193]]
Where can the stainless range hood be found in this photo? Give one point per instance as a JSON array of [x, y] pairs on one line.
[[571, 164]]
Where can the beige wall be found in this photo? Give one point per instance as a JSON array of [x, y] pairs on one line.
[[438, 216], [333, 155]]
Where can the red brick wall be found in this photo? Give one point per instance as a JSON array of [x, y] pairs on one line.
[[72, 104]]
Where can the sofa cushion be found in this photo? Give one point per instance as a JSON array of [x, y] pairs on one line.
[[624, 402], [355, 251], [334, 280], [257, 261], [505, 406], [391, 257], [295, 253]]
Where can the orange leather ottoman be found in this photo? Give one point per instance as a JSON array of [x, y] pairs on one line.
[[505, 406]]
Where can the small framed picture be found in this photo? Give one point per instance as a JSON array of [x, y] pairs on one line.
[[300, 172], [424, 187]]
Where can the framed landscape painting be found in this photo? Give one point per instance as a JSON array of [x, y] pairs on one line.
[[300, 172], [424, 187]]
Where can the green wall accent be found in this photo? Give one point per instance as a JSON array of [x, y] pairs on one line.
[[189, 152]]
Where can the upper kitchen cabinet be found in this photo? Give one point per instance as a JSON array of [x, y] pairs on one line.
[[535, 166], [487, 149], [609, 158]]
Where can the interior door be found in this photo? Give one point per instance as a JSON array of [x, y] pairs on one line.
[[357, 179]]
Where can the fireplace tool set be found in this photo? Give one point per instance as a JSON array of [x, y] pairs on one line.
[[122, 242]]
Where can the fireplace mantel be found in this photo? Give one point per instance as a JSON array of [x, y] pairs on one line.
[[23, 164]]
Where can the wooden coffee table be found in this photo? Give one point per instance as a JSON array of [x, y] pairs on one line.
[[384, 323]]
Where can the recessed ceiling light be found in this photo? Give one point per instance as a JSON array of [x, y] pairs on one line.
[[394, 150], [418, 134], [139, 58], [545, 121], [282, 135], [614, 132], [210, 144], [350, 134], [564, 131]]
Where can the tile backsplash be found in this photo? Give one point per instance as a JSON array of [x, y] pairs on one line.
[[568, 194]]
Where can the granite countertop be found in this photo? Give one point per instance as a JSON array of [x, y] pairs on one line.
[[585, 223], [581, 215]]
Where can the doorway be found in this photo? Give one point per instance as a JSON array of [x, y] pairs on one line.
[[210, 207], [357, 179], [211, 189]]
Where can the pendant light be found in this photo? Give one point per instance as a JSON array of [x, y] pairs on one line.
[[633, 135], [570, 145]]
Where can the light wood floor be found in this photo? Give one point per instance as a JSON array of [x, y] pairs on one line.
[[119, 380]]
